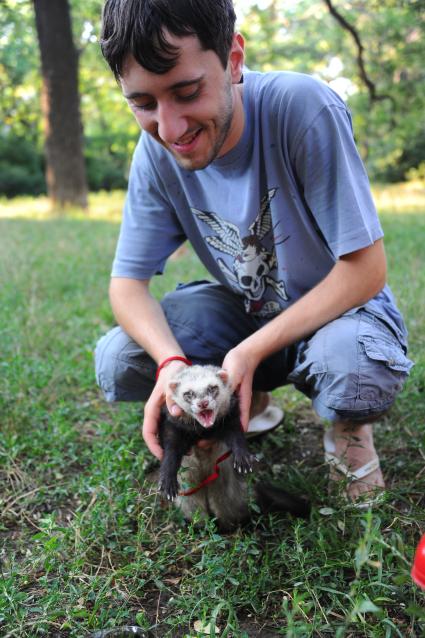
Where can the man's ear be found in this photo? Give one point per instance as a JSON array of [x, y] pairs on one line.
[[236, 58], [224, 376]]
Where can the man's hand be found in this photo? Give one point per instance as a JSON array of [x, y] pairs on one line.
[[160, 395], [241, 367]]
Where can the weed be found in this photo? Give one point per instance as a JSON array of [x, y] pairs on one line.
[[85, 542]]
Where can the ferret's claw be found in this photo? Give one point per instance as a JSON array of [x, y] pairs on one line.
[[242, 462], [169, 488]]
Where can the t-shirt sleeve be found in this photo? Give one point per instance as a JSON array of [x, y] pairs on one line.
[[150, 230], [334, 182]]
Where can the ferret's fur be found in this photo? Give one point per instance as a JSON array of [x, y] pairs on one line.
[[211, 411]]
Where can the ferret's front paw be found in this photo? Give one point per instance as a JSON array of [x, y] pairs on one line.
[[242, 463], [169, 487]]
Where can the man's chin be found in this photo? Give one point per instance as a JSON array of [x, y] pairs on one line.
[[192, 164]]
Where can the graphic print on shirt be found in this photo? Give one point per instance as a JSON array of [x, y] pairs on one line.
[[254, 257]]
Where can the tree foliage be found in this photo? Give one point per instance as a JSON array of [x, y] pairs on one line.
[[305, 36], [299, 35]]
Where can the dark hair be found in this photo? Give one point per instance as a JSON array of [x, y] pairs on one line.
[[137, 27]]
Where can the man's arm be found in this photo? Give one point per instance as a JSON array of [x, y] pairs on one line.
[[142, 318], [354, 279], [140, 315]]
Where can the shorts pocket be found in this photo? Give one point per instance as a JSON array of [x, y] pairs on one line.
[[379, 349], [383, 366]]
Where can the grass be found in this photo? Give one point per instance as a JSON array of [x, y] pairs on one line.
[[85, 543]]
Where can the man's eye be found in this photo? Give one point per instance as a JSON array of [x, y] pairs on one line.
[[187, 97], [142, 106]]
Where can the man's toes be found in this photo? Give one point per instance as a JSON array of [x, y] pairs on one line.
[[372, 483]]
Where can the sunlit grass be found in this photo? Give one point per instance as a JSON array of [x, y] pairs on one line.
[[102, 206], [406, 198]]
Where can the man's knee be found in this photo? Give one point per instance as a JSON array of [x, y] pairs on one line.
[[124, 372], [352, 368]]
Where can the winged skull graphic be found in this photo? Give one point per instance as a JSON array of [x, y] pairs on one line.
[[252, 262]]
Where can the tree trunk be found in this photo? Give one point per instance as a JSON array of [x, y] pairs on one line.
[[65, 170]]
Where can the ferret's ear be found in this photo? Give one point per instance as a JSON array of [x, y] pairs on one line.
[[224, 376], [173, 385]]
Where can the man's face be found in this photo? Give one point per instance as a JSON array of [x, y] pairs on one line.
[[195, 109]]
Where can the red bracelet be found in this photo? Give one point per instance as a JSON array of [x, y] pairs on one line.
[[175, 358]]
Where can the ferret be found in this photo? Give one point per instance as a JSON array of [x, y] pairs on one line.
[[211, 411]]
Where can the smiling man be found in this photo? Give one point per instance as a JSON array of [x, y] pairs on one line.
[[197, 118], [260, 172]]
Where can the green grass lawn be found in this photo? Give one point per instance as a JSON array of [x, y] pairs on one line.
[[85, 542]]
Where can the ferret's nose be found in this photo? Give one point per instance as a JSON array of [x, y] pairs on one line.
[[203, 404]]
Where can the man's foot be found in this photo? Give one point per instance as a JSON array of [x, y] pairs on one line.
[[259, 402], [351, 453], [263, 416]]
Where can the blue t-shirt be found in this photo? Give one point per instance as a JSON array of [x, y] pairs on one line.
[[270, 217]]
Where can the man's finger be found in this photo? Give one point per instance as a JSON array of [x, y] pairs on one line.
[[151, 441], [150, 429], [173, 408], [153, 445], [245, 394]]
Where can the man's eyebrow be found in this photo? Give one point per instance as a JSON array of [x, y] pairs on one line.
[[173, 87], [181, 85]]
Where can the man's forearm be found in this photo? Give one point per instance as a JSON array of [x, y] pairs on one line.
[[142, 318], [352, 282]]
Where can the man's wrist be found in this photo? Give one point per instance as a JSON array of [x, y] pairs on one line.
[[248, 353], [169, 360]]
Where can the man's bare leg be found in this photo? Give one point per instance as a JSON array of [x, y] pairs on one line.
[[354, 446]]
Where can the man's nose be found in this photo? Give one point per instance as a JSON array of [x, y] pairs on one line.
[[172, 125]]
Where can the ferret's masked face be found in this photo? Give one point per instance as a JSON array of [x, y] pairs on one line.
[[202, 405], [201, 398]]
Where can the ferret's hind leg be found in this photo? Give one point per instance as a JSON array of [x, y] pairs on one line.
[[194, 506], [195, 468], [228, 495]]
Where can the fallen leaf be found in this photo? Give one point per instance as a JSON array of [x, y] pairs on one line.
[[204, 628]]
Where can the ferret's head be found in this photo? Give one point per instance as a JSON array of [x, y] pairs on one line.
[[202, 392]]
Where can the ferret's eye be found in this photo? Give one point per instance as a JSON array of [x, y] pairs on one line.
[[213, 390], [188, 396]]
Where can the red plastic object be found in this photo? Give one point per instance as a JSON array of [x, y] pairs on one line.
[[418, 569]]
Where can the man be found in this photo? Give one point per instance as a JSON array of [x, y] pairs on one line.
[[261, 174]]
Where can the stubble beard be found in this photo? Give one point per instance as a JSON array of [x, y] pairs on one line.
[[222, 127]]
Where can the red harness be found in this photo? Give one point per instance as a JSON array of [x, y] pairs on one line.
[[209, 479]]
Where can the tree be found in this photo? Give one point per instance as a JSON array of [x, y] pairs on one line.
[[295, 36], [65, 169], [375, 60]]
